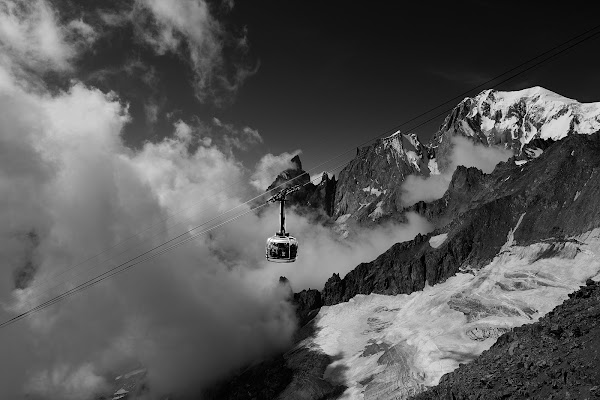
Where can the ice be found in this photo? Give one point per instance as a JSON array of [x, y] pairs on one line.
[[436, 241], [428, 333]]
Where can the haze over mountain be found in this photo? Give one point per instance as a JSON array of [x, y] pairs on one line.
[[136, 136]]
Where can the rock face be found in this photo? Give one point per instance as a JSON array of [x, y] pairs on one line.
[[556, 357], [369, 186]]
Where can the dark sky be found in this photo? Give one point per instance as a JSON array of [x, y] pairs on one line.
[[332, 74]]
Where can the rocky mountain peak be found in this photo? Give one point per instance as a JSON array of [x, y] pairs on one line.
[[316, 197], [369, 186], [296, 161]]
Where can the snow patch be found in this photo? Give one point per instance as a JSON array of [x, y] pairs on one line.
[[374, 191], [521, 162], [436, 241], [433, 167], [577, 195], [510, 239], [534, 152]]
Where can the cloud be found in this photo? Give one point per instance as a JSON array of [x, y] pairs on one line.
[[68, 383], [269, 166], [189, 316], [233, 137], [30, 32], [189, 29], [66, 175], [464, 152], [67, 179], [322, 253]]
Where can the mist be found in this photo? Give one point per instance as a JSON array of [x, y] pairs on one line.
[[190, 316], [464, 152]]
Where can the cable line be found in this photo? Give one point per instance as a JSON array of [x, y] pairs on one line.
[[123, 266], [351, 149]]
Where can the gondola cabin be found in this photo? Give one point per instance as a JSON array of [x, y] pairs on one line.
[[282, 248]]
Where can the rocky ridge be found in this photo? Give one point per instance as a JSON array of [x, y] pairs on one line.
[[554, 358]]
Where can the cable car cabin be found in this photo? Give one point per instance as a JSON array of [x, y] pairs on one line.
[[281, 248]]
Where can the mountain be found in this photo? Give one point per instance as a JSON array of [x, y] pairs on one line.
[[509, 247], [523, 237], [525, 121], [369, 186]]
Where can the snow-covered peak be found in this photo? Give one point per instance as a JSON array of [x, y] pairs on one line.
[[513, 119]]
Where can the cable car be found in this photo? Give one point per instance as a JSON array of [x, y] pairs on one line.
[[281, 247]]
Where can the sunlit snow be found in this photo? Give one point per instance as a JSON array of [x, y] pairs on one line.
[[436, 241]]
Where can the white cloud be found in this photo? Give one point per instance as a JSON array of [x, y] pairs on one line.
[[189, 316], [464, 152], [269, 166], [183, 131], [32, 36], [233, 137], [322, 253], [66, 175], [188, 28]]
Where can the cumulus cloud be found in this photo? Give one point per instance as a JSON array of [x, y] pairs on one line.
[[464, 152], [68, 180], [189, 29], [269, 166], [188, 316], [66, 175]]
